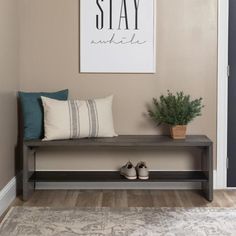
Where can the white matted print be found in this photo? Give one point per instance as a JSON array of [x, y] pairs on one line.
[[117, 36]]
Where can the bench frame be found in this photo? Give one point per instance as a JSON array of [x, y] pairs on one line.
[[31, 176]]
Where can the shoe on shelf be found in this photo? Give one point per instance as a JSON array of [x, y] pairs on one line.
[[128, 171], [142, 170]]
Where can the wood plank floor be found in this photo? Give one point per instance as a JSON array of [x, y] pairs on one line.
[[127, 198]]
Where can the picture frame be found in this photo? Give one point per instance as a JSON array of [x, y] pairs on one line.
[[117, 36]]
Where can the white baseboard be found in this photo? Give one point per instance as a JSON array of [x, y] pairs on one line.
[[215, 181], [7, 195]]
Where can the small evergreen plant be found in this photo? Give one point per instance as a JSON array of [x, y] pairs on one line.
[[175, 109]]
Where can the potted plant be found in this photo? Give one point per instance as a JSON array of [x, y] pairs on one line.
[[175, 110]]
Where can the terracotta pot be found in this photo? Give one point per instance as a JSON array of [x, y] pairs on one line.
[[178, 131]]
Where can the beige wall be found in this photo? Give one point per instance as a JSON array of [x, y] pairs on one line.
[[186, 60], [8, 87]]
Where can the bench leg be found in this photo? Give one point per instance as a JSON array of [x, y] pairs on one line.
[[207, 167], [28, 171]]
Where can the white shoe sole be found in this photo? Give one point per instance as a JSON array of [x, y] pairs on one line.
[[129, 177], [143, 178]]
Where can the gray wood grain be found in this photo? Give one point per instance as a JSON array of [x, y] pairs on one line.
[[127, 141]]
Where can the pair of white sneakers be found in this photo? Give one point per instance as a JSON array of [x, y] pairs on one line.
[[130, 172]]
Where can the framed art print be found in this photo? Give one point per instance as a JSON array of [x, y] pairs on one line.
[[117, 36]]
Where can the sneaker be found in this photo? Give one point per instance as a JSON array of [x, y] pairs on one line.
[[142, 170], [128, 171]]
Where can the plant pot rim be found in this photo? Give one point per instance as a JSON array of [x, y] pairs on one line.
[[179, 125]]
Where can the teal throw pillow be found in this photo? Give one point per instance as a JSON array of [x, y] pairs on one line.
[[32, 111]]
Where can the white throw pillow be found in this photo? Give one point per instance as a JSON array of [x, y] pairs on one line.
[[78, 119]]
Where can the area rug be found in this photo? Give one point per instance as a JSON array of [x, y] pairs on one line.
[[24, 221]]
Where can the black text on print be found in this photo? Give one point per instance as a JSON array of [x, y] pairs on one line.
[[123, 15], [127, 18]]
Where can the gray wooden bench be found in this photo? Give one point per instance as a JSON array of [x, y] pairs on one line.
[[133, 142]]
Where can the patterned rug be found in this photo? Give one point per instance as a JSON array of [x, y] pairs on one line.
[[23, 221]]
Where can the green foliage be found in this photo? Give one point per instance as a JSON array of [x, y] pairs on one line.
[[175, 109]]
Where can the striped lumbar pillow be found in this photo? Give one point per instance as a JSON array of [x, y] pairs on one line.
[[78, 119]]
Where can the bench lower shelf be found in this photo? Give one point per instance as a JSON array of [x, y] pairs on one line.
[[114, 176]]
